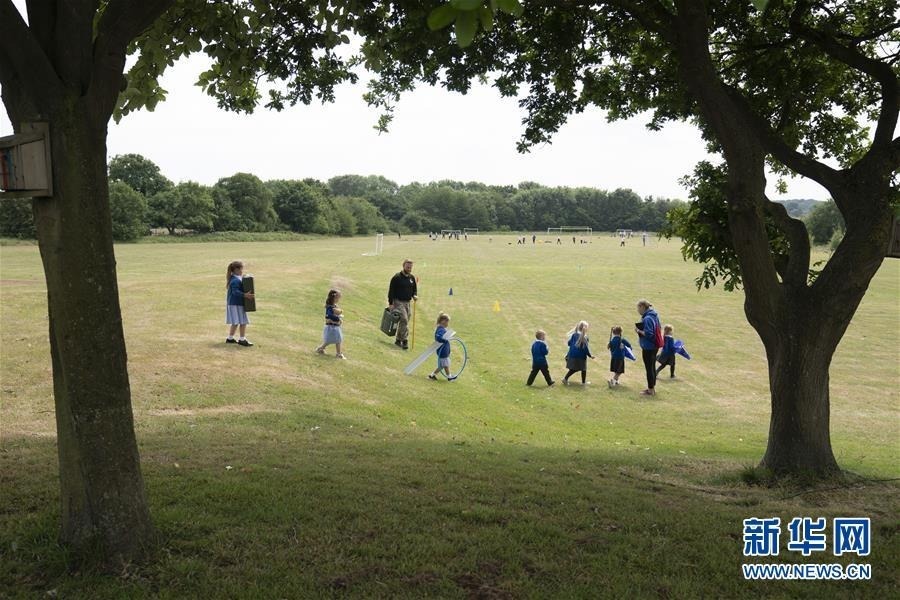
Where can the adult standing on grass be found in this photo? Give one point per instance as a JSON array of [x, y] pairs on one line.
[[648, 329], [401, 292]]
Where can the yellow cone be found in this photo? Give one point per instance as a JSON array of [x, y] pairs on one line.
[[496, 306]]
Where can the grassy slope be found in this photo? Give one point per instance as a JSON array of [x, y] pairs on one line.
[[350, 477]]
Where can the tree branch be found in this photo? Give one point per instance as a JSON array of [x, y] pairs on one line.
[[124, 20], [121, 23], [853, 58], [775, 145], [22, 61], [874, 35], [797, 271], [64, 29]]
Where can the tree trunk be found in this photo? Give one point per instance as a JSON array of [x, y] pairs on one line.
[[102, 492], [799, 426]]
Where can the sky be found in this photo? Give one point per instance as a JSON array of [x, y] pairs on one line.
[[190, 138]]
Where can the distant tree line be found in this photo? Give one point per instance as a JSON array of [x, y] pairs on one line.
[[142, 198]]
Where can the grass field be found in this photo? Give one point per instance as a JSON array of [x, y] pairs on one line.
[[273, 472]]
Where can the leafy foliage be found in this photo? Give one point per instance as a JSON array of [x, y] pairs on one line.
[[128, 209], [16, 218], [824, 222], [243, 203], [140, 173], [703, 228], [279, 54], [188, 205]]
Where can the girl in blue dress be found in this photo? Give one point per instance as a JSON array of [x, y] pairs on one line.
[[235, 315], [334, 318]]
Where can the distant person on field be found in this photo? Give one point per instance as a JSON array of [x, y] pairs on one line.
[[533, 238], [402, 290], [622, 239], [644, 237], [235, 315], [558, 241], [617, 345], [667, 356], [334, 318], [579, 352], [443, 351], [647, 329], [539, 351]]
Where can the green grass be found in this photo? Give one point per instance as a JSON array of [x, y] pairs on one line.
[[349, 478]]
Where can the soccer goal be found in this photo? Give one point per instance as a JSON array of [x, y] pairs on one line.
[[379, 245], [470, 230], [570, 230]]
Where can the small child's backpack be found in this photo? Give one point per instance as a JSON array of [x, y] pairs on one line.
[[660, 342]]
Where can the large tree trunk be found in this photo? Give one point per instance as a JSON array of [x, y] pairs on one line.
[[102, 491], [799, 429]]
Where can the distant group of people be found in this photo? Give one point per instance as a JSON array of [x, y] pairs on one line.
[[403, 290], [453, 235]]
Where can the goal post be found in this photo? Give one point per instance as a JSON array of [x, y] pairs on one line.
[[570, 229], [379, 245], [470, 230]]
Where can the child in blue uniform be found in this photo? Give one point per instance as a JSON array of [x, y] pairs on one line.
[[235, 315], [334, 318], [579, 352], [667, 356], [617, 345], [443, 351], [539, 351]]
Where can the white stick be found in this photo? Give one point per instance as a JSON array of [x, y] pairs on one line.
[[421, 358], [415, 364]]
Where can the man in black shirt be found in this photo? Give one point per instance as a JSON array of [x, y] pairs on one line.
[[401, 292]]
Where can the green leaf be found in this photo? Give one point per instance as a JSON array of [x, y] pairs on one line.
[[441, 16], [466, 27], [513, 7], [487, 19], [465, 4], [760, 4]]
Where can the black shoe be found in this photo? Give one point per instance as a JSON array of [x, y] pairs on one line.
[[398, 343], [230, 341], [405, 345], [245, 343]]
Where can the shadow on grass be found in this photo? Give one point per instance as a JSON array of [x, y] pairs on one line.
[[268, 505]]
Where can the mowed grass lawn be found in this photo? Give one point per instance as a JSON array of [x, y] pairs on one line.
[[273, 472]]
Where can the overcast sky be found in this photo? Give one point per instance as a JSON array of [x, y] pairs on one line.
[[191, 139]]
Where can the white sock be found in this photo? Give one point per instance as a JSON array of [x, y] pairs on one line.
[[242, 338], [230, 337]]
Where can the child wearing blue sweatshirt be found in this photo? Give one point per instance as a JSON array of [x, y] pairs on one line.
[[443, 351], [667, 356], [579, 352], [539, 351], [617, 345]]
